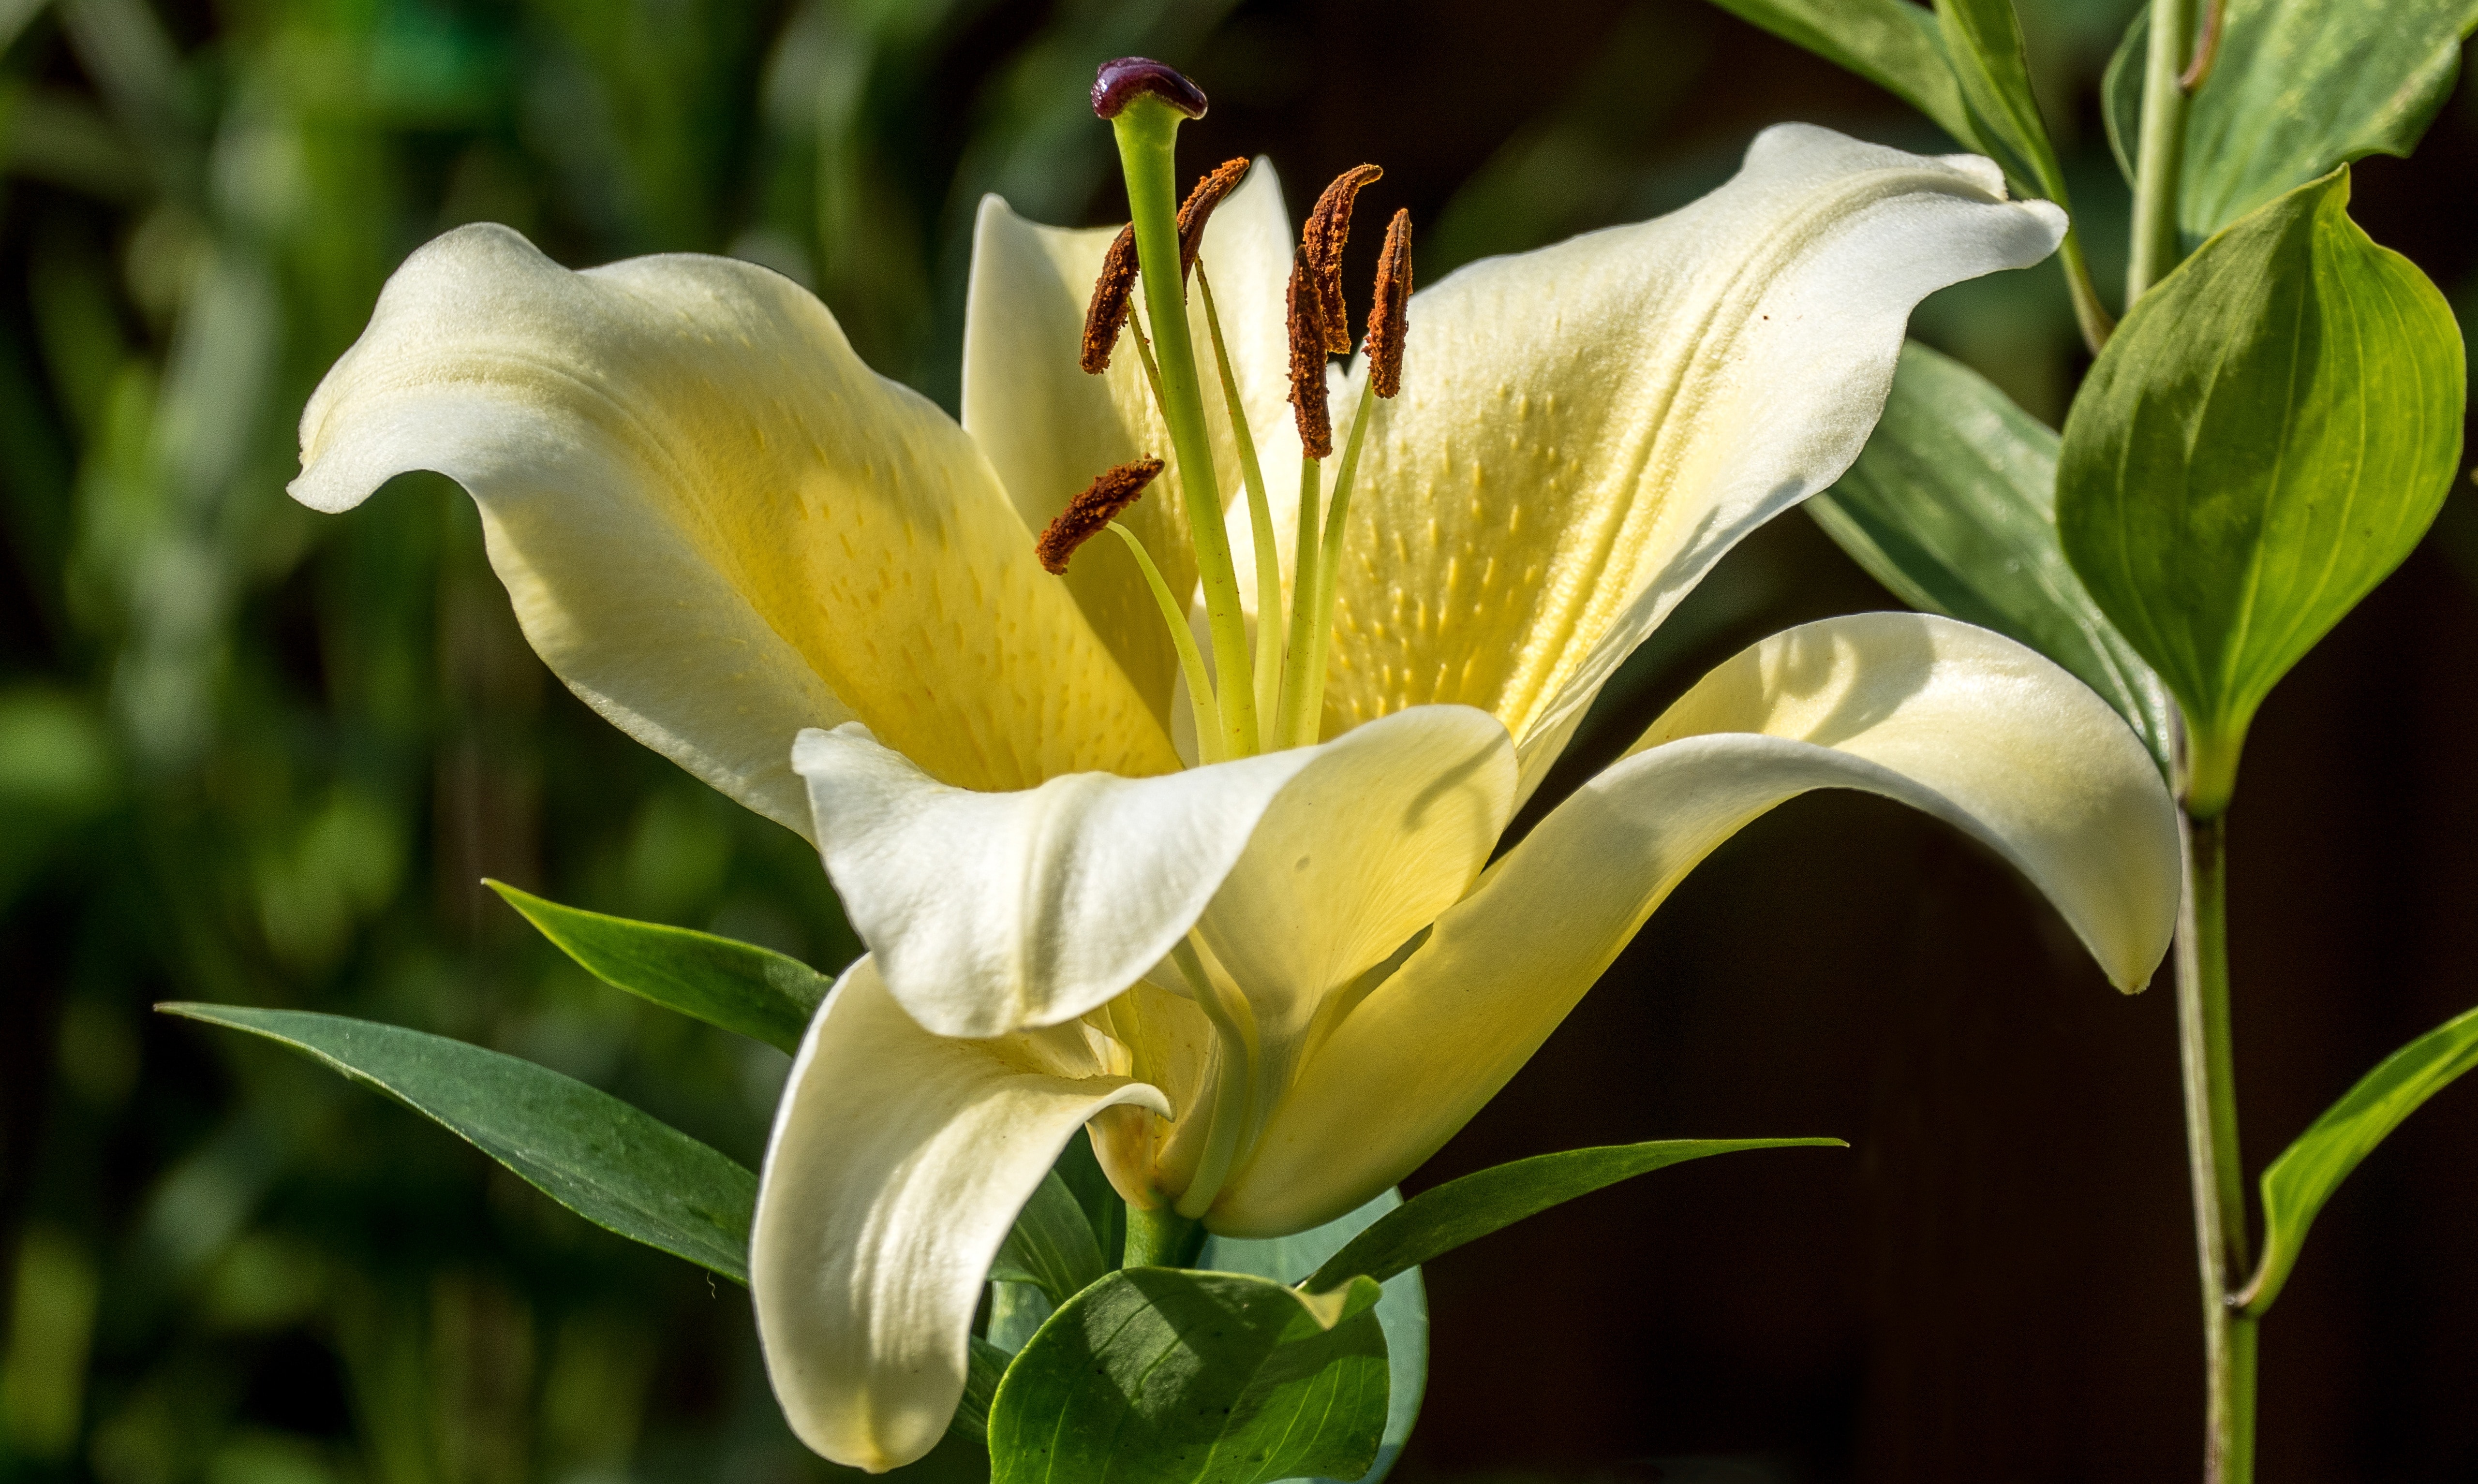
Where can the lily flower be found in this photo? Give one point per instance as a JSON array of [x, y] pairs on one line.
[[1234, 910]]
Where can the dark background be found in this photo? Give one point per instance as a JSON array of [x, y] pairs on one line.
[[254, 755]]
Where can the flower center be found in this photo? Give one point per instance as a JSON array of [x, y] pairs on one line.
[[1268, 693]]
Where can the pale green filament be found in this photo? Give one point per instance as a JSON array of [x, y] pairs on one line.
[[1145, 354], [1314, 584], [1200, 699], [1260, 521], [1303, 635], [1148, 135], [1232, 1107]]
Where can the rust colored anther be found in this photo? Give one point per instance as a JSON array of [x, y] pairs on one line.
[[1119, 83], [1308, 361], [1108, 310], [1322, 238], [1088, 513], [1198, 209], [1390, 315]]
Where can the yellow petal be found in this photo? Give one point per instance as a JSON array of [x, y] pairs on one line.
[[1585, 430], [1952, 720], [1049, 428], [717, 526], [896, 1165]]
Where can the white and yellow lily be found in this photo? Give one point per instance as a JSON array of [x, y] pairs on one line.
[[1273, 983]]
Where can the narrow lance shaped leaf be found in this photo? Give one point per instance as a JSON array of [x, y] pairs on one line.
[[1952, 506], [1436, 1222], [2295, 89], [1892, 43], [608, 1162], [740, 987], [2268, 436], [1169, 1376], [1402, 1313], [2309, 1170]]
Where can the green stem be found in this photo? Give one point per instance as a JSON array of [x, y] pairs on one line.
[[2160, 158], [2090, 313], [1147, 133], [2214, 1166], [1162, 1238]]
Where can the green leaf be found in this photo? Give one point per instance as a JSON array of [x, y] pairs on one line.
[[1891, 43], [755, 991], [2300, 87], [1051, 1246], [1952, 506], [2268, 436], [1160, 1375], [601, 1158], [2308, 1172], [1402, 1313], [1982, 41], [1438, 1221]]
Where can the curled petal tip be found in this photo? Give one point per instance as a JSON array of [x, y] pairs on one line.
[[1119, 82]]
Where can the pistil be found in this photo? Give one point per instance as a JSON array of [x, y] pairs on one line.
[[1146, 103]]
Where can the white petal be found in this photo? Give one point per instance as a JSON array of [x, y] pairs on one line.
[[993, 911], [717, 525], [1953, 719], [1049, 428], [896, 1165], [1585, 430]]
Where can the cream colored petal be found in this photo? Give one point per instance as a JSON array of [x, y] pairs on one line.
[[1585, 430], [896, 1169], [988, 912], [1360, 850], [1049, 428], [1953, 719], [717, 526]]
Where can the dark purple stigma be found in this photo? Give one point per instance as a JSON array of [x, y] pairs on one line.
[[1118, 82]]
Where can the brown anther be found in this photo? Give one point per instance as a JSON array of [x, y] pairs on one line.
[[1088, 513], [1388, 316], [1198, 209], [1120, 83], [1308, 361], [1108, 310], [1322, 238]]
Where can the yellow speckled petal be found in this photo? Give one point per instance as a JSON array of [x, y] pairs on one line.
[[1049, 428], [1585, 430], [718, 526]]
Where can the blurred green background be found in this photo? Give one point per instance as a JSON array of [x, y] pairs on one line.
[[255, 755]]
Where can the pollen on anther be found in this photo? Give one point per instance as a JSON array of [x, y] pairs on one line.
[[1198, 209], [1327, 233], [1308, 361], [1108, 310], [1387, 318], [1085, 516]]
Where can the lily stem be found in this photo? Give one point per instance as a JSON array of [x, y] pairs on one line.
[[1148, 135], [2160, 159], [1162, 1238], [2214, 1163]]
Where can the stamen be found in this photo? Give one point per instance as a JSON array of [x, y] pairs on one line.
[[1328, 231], [1388, 316], [1307, 360], [1122, 82], [1088, 513], [1198, 209], [1111, 294]]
